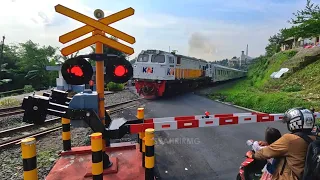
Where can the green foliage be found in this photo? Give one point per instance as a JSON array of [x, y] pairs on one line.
[[45, 158], [274, 44], [223, 62], [25, 63], [9, 102], [306, 22], [111, 86], [28, 88], [258, 91], [292, 88], [265, 102], [259, 72]]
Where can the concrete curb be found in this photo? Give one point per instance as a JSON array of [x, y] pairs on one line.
[[247, 109]]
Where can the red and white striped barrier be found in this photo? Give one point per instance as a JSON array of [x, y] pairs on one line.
[[183, 122]]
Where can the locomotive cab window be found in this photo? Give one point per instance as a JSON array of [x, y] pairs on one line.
[[171, 60], [143, 58], [158, 59]]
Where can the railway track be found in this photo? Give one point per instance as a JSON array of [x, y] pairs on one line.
[[27, 128], [4, 112], [11, 111]]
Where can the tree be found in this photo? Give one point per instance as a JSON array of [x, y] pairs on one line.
[[132, 61], [33, 62], [64, 58], [306, 22], [3, 71], [274, 44]]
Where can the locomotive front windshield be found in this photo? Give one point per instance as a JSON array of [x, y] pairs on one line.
[[157, 59], [143, 58]]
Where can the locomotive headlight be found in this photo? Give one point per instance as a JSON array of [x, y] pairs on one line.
[[159, 82]]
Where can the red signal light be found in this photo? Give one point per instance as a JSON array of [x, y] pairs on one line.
[[120, 71], [76, 70]]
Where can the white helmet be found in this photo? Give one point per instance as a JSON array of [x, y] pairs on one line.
[[299, 119]]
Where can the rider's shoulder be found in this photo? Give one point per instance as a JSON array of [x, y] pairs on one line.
[[289, 136]]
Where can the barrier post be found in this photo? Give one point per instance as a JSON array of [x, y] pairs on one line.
[[140, 116], [96, 148], [28, 149], [66, 135], [149, 164], [143, 151]]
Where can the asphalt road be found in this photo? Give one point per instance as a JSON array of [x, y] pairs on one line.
[[202, 153]]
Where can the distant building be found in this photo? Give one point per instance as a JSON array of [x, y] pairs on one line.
[[234, 62], [243, 60], [291, 43]]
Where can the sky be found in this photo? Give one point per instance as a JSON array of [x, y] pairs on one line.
[[207, 29]]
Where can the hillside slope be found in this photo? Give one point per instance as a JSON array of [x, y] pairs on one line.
[[298, 87]]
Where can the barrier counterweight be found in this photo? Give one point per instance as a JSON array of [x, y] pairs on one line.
[[28, 149], [66, 134], [149, 155], [96, 148]]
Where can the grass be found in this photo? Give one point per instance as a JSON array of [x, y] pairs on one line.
[[9, 102], [296, 89], [46, 157]]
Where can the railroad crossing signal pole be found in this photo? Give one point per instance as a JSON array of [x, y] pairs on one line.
[[100, 87], [98, 28]]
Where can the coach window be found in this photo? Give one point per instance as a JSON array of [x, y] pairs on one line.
[[157, 59], [143, 58]]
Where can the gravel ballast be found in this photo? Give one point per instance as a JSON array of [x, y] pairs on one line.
[[48, 146]]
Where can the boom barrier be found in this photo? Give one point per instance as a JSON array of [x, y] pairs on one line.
[[184, 122]]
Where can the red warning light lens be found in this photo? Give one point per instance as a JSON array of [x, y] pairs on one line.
[[207, 113], [120, 70], [76, 70]]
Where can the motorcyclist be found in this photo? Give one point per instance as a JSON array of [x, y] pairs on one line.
[[290, 146]]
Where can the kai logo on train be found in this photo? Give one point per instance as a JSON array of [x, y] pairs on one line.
[[147, 70], [170, 71]]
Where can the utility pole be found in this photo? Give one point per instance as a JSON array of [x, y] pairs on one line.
[[2, 46]]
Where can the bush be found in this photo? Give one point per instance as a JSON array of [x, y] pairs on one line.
[[292, 88], [9, 102], [28, 88], [111, 86]]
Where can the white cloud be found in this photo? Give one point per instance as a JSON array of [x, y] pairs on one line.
[[38, 21]]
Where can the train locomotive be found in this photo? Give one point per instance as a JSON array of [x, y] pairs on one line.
[[158, 73]]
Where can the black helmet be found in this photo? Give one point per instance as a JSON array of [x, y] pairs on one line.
[[299, 119]]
